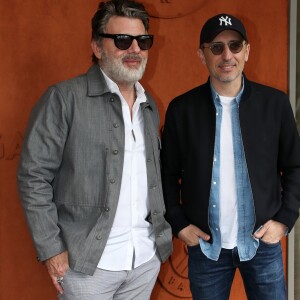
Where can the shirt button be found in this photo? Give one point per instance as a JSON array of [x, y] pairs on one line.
[[215, 182], [99, 237], [217, 229], [115, 152], [116, 125], [214, 205]]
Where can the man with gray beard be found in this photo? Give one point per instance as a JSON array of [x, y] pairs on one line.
[[89, 172]]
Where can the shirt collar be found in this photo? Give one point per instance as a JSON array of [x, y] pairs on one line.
[[113, 87], [216, 96]]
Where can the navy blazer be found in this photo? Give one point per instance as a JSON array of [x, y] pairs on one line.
[[272, 149]]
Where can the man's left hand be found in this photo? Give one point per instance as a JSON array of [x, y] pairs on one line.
[[271, 232]]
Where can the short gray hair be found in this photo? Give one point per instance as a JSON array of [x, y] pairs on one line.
[[122, 8]]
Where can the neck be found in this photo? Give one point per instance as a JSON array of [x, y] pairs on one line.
[[129, 93], [227, 89]]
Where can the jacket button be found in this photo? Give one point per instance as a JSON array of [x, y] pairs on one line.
[[112, 99], [107, 209], [99, 237], [112, 180], [116, 125], [115, 152], [149, 160]]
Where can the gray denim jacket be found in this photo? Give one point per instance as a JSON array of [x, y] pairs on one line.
[[70, 170]]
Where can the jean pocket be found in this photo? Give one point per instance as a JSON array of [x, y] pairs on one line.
[[193, 248], [266, 244]]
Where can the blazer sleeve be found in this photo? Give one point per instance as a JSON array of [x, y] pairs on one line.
[[41, 156], [171, 159], [289, 166]]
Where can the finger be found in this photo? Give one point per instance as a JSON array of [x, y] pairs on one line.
[[202, 235], [259, 232], [57, 285]]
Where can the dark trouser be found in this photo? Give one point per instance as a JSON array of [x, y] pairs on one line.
[[263, 275]]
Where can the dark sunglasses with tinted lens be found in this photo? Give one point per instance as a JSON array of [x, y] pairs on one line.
[[218, 47], [124, 41]]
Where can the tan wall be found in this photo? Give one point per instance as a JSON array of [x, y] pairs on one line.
[[46, 41]]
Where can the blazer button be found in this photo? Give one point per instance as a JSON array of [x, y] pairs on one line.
[[112, 99], [112, 180], [107, 209], [115, 152], [99, 237], [116, 125]]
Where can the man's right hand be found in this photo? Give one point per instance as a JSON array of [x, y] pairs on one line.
[[191, 234], [57, 266]]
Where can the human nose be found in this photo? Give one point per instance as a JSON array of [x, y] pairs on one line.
[[134, 47], [227, 54]]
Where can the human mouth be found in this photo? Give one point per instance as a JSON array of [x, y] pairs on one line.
[[227, 67], [132, 60]]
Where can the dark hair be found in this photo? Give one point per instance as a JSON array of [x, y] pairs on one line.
[[122, 8]]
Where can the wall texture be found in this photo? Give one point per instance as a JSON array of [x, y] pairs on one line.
[[46, 41]]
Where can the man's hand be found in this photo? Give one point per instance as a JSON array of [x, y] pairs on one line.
[[191, 234], [57, 267], [271, 232]]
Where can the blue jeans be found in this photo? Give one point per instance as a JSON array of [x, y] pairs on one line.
[[263, 275]]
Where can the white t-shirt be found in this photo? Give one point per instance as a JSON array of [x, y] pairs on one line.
[[228, 198]]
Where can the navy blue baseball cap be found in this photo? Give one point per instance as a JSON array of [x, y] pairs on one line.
[[219, 23]]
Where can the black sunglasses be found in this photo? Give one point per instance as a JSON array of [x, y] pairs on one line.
[[218, 47], [124, 41]]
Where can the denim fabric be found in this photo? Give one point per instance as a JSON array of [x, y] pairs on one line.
[[262, 275], [246, 244]]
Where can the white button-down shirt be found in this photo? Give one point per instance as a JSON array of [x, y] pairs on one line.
[[131, 240]]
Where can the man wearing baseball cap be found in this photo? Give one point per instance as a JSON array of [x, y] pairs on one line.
[[231, 171]]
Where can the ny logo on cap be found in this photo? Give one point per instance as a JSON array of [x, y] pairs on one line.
[[226, 20]]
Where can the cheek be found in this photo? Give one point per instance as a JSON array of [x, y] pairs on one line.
[[145, 55]]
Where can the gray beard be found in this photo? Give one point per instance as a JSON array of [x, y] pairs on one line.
[[115, 70]]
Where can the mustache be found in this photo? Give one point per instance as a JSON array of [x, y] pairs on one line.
[[132, 56], [227, 63]]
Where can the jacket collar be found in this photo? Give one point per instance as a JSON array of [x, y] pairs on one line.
[[246, 92], [96, 84]]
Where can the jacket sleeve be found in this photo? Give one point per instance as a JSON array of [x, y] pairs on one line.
[[40, 159], [289, 166], [171, 158]]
